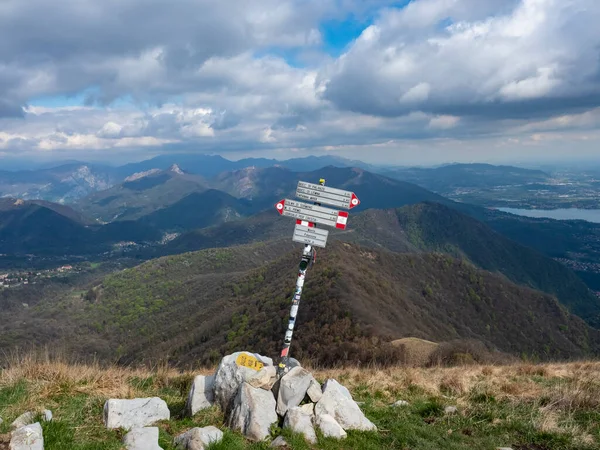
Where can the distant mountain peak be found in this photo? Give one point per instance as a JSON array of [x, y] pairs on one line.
[[175, 169], [138, 175], [247, 170]]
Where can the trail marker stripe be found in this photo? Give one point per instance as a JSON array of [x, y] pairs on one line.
[[311, 213]]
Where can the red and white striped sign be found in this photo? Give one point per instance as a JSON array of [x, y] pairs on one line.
[[305, 223], [305, 212], [342, 220]]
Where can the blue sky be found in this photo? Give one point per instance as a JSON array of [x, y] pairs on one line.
[[336, 36], [426, 81]]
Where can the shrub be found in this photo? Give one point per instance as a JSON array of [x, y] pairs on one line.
[[466, 352]]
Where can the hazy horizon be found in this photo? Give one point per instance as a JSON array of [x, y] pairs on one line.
[[16, 164], [385, 81]]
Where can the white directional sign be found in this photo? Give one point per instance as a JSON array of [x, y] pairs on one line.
[[327, 195], [312, 213], [310, 235]]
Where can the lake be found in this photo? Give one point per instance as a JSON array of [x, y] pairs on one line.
[[591, 215]]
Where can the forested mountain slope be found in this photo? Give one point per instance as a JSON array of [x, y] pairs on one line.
[[196, 306]]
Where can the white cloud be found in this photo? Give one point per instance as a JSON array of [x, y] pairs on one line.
[[416, 94], [538, 50], [205, 75], [444, 122]]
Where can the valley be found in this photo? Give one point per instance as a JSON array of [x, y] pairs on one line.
[[208, 251], [509, 187]]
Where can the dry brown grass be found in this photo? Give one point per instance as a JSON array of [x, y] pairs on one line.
[[569, 385], [565, 386], [51, 377], [548, 397]]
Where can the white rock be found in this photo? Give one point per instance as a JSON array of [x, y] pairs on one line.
[[315, 391], [299, 421], [253, 412], [292, 389], [202, 394], [265, 378], [338, 404], [343, 389], [136, 413], [29, 417], [451, 410], [400, 403], [330, 428], [142, 439], [29, 437], [230, 376], [279, 442], [308, 408], [198, 438]]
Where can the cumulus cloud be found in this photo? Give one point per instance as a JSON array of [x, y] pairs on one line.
[[466, 57], [217, 75], [139, 47]]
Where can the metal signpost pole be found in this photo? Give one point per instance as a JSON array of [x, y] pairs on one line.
[[307, 217], [305, 262]]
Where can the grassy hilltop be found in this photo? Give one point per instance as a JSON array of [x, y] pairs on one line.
[[523, 406]]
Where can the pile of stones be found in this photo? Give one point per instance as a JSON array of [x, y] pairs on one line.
[[252, 402], [252, 399]]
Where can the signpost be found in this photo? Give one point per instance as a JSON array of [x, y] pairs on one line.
[[312, 213], [310, 235], [307, 217], [327, 195]]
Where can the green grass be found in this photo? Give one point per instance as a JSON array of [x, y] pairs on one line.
[[487, 418]]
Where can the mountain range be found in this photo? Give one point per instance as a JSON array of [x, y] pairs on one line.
[[410, 263], [356, 301], [72, 180], [140, 194]]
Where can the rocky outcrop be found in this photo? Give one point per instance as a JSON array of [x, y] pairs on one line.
[[28, 437], [198, 438], [230, 376], [314, 391], [136, 413], [338, 403], [279, 441], [300, 420], [202, 394], [246, 388], [292, 389], [329, 427], [142, 439], [253, 412], [30, 417]]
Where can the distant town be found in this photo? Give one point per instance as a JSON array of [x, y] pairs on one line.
[[20, 278]]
